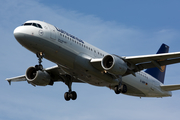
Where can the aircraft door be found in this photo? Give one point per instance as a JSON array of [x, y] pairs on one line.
[[52, 32]]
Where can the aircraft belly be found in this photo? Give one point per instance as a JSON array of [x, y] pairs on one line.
[[134, 91]]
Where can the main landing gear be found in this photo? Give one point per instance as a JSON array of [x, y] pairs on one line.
[[40, 56], [67, 79], [70, 94], [120, 88]]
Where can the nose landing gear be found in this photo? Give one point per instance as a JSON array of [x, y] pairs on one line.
[[40, 56]]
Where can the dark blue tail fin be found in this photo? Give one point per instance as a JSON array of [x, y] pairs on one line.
[[155, 72]]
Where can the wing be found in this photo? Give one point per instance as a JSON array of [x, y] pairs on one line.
[[170, 87], [55, 72], [138, 63], [16, 79]]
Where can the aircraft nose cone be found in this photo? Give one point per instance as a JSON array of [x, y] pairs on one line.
[[18, 33]]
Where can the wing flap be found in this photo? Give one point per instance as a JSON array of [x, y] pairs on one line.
[[170, 87]]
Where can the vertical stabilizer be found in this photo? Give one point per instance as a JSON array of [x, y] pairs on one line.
[[155, 72]]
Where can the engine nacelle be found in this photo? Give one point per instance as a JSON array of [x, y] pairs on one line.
[[40, 78], [114, 65]]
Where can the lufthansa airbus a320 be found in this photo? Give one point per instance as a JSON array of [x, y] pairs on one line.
[[78, 61]]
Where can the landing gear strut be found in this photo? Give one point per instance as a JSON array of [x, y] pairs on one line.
[[40, 56], [70, 94]]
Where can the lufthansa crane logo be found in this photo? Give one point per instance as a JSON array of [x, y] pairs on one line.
[[41, 32], [163, 68]]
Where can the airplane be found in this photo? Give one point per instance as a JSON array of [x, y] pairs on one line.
[[81, 62]]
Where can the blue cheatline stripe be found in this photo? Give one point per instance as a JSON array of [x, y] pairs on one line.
[[155, 72]]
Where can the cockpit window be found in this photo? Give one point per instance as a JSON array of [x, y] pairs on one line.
[[39, 25], [33, 24], [27, 24]]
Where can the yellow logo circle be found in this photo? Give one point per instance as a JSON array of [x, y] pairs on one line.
[[163, 68]]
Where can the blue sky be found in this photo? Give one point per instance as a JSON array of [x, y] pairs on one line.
[[125, 28]]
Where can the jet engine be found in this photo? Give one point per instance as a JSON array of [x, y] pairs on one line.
[[37, 77], [114, 65]]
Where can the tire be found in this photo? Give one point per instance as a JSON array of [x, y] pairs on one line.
[[66, 96], [116, 90], [37, 67], [73, 95], [124, 89], [40, 67]]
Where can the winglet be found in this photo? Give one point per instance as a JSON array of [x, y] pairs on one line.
[[9, 81]]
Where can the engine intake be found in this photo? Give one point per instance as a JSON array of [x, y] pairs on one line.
[[40, 78], [114, 65]]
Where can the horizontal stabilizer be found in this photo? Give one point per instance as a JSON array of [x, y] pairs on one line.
[[170, 87]]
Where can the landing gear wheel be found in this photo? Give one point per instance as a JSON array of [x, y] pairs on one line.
[[73, 95], [117, 90], [124, 90], [38, 67], [70, 95], [66, 96]]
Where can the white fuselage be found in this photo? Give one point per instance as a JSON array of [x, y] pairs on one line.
[[74, 55]]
